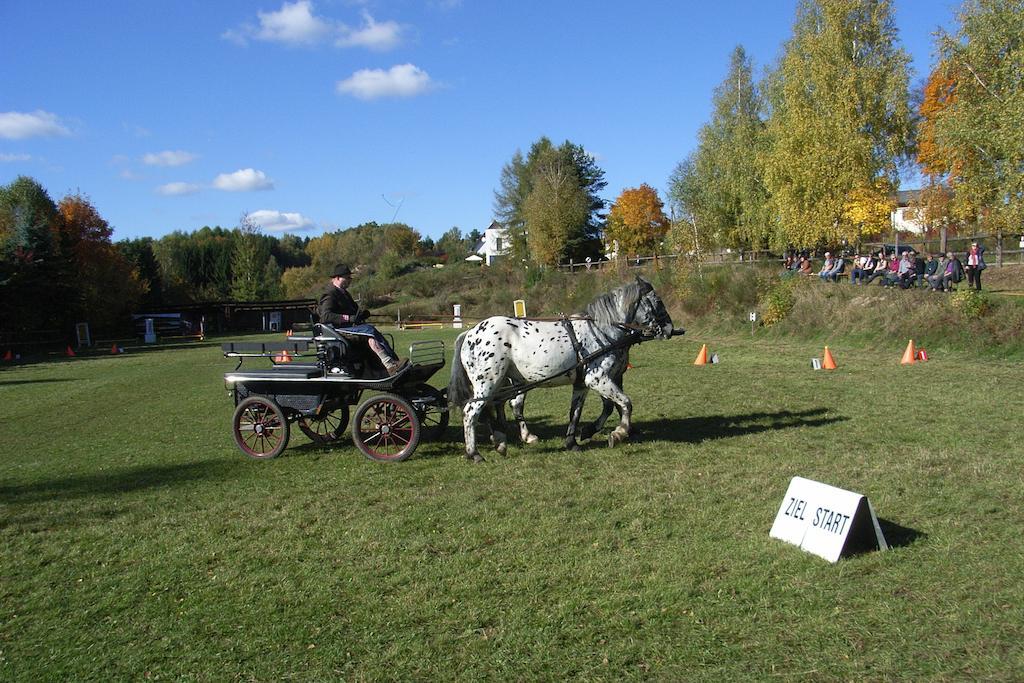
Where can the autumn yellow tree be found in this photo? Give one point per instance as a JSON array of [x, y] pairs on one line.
[[869, 207], [637, 221], [840, 117], [106, 286]]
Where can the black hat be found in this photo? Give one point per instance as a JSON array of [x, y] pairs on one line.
[[341, 270]]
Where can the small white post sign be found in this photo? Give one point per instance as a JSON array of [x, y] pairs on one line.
[[827, 521]]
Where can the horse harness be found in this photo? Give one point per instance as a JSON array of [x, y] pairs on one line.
[[635, 335]]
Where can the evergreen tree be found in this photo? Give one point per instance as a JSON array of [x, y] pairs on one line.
[[249, 262], [550, 167]]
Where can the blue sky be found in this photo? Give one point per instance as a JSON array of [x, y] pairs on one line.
[[322, 114]]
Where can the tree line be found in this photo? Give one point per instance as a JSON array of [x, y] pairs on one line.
[[59, 266], [811, 153]]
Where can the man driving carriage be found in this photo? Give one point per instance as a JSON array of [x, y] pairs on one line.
[[338, 309]]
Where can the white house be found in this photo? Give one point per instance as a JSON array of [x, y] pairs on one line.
[[905, 216], [494, 243]]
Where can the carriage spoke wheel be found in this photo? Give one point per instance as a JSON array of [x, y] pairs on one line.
[[260, 428], [327, 427], [386, 428], [432, 411]]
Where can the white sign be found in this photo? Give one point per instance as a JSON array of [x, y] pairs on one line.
[[827, 521], [753, 316]]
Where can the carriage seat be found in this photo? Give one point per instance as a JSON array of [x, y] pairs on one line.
[[346, 354]]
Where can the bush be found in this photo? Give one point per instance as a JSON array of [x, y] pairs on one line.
[[777, 298], [970, 303]]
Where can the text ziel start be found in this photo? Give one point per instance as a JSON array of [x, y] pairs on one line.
[[825, 519]]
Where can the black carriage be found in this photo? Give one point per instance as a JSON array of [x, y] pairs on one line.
[[313, 381]]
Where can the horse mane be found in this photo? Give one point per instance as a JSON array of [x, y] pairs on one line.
[[614, 306]]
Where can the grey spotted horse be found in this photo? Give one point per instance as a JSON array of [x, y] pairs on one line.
[[588, 352]]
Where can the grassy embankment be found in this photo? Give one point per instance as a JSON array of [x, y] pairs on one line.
[[716, 300], [139, 543]]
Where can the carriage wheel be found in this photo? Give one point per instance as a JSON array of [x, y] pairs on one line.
[[327, 427], [432, 411], [260, 428], [386, 428]]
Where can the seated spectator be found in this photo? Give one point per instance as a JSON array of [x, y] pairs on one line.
[[938, 272], [954, 272], [892, 274], [930, 265], [905, 273], [838, 266], [805, 266], [862, 268], [880, 269], [827, 266], [919, 268]]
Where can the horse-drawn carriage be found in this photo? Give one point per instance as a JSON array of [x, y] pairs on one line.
[[317, 395], [497, 361]]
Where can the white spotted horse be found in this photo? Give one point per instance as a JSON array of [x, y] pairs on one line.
[[504, 357]]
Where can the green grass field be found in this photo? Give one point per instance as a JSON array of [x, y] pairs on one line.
[[138, 543]]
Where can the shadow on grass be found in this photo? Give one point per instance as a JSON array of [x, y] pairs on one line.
[[699, 429], [898, 536], [711, 427], [15, 382], [452, 436], [122, 481], [59, 357]]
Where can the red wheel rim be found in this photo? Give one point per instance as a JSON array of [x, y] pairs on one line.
[[260, 430], [327, 427], [386, 430]]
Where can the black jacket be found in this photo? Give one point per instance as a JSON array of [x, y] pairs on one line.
[[337, 307]]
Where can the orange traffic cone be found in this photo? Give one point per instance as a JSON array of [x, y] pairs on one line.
[[68, 351], [702, 357], [287, 333], [909, 356], [828, 362], [283, 357], [8, 356]]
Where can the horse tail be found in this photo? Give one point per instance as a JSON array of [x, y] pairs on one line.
[[459, 390]]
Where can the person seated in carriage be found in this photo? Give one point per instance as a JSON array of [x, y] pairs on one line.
[[338, 309]]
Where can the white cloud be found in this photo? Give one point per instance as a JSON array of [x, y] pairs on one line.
[[243, 180], [279, 221], [374, 35], [296, 23], [5, 157], [178, 189], [401, 80], [169, 158], [293, 23], [16, 125]]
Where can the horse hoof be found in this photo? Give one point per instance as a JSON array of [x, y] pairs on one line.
[[502, 448], [613, 440], [532, 438], [477, 459]]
